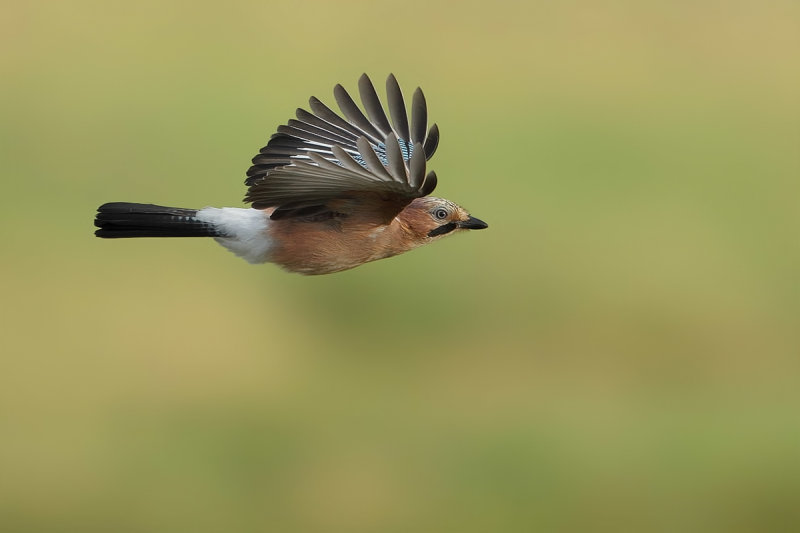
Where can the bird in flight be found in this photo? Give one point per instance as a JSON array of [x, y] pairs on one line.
[[328, 192]]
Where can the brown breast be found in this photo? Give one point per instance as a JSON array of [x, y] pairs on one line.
[[323, 247]]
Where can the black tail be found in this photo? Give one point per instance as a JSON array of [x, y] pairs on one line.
[[123, 219]]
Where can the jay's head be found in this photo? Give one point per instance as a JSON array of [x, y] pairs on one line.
[[431, 218]]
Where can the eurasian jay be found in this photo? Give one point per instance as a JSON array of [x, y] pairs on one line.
[[328, 192]]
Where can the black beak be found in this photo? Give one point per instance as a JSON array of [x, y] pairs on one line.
[[473, 223]]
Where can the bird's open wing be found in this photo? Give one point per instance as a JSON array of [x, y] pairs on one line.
[[321, 157]]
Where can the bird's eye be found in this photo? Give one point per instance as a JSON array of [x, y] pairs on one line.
[[440, 213]]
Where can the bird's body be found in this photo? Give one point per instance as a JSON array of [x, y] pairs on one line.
[[328, 194]]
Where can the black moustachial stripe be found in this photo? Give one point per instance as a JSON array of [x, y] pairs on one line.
[[441, 230]]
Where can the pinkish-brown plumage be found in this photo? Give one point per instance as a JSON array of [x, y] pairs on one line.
[[340, 244]]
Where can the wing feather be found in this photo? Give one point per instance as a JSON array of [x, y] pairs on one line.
[[353, 113], [397, 165], [373, 104], [397, 107], [419, 117], [430, 184], [323, 111], [314, 120], [321, 156], [431, 142], [416, 170], [374, 164], [347, 161], [331, 137]]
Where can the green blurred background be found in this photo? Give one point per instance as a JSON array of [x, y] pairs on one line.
[[618, 352]]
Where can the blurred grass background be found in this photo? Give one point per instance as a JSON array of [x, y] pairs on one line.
[[619, 351]]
